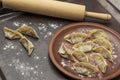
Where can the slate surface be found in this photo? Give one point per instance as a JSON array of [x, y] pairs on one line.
[[115, 3], [15, 63]]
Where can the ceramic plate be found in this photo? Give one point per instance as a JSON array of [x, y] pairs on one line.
[[64, 65]]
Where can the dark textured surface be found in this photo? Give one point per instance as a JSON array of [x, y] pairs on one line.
[[115, 3], [15, 63]]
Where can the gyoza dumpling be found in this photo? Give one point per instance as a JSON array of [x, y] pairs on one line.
[[27, 30], [84, 46], [65, 52], [103, 42], [106, 53], [100, 61], [75, 37], [85, 68], [97, 33], [80, 56], [27, 44], [12, 34]]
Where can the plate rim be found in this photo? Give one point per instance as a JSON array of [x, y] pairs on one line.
[[101, 26]]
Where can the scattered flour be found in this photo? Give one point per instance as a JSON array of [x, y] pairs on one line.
[[44, 57], [36, 57], [25, 69], [47, 29], [44, 29], [9, 45], [16, 24], [63, 63], [113, 67], [114, 56]]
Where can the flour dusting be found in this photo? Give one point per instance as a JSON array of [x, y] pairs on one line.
[[9, 45]]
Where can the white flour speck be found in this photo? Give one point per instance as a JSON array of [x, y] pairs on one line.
[[12, 47], [9, 45], [36, 57], [36, 66], [34, 72], [25, 69], [53, 25], [49, 33], [21, 49], [115, 63], [99, 75], [69, 61], [32, 68], [81, 76], [16, 24], [18, 53], [22, 73], [113, 52], [41, 72], [116, 45], [63, 64], [45, 36], [115, 56], [89, 75], [45, 57], [72, 68], [4, 48], [47, 29], [30, 23], [10, 65], [24, 24]]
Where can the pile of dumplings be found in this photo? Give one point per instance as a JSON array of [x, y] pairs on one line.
[[18, 34], [95, 44]]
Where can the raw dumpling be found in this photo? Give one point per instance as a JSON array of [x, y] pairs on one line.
[[103, 42], [106, 53], [65, 52], [75, 37], [100, 61], [80, 56], [27, 30], [84, 46], [27, 44], [97, 33], [12, 34], [85, 68]]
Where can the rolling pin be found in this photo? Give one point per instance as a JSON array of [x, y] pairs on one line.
[[54, 8]]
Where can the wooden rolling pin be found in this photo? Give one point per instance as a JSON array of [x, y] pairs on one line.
[[53, 8]]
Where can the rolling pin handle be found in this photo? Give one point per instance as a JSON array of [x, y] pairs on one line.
[[98, 15]]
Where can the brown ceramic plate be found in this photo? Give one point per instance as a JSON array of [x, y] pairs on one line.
[[113, 70]]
